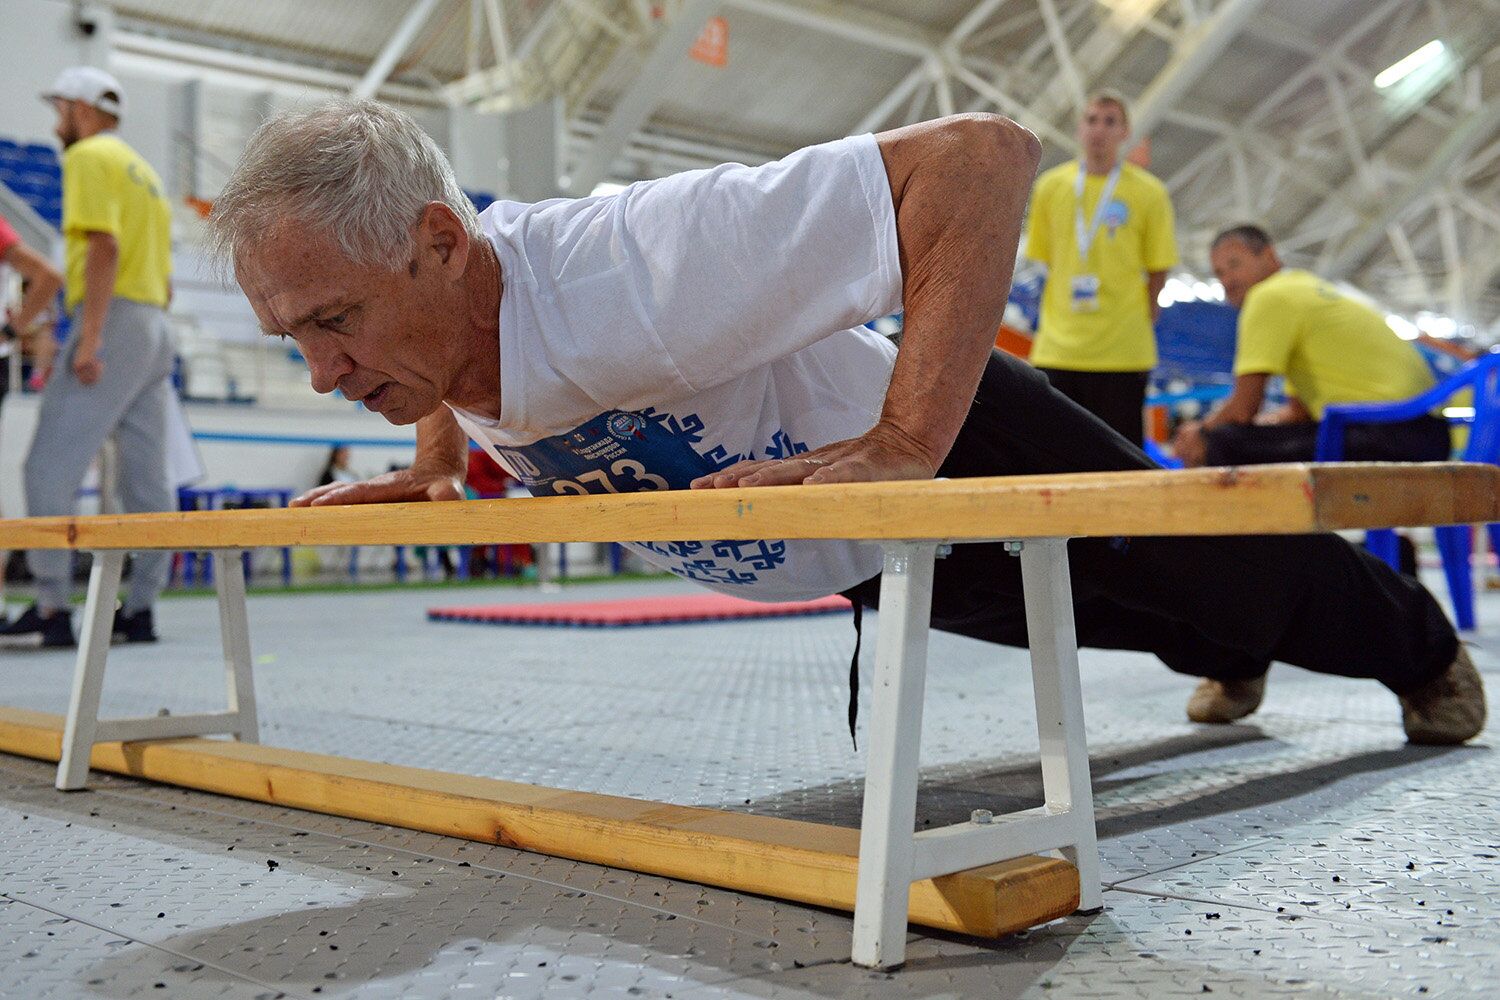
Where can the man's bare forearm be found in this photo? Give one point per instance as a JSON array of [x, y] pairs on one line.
[[1155, 282], [960, 187], [1243, 403], [100, 265], [442, 446]]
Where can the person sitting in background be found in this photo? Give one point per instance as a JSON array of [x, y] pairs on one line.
[[1329, 348], [337, 469]]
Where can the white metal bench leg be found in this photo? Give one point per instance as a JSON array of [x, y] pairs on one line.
[[234, 631], [88, 674], [84, 728], [886, 845], [1059, 706]]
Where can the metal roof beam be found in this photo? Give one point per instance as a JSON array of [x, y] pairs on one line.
[[944, 49], [1477, 128], [406, 32], [867, 27], [1201, 46], [1290, 86], [635, 103]]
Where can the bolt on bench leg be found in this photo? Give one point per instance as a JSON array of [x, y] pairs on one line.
[[88, 675], [886, 844]]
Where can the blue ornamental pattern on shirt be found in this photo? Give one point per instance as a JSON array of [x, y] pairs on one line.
[[647, 450]]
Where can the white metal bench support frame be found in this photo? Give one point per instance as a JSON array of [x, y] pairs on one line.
[[891, 854], [84, 728]]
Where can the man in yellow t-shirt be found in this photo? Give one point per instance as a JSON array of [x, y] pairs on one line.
[[1328, 347], [112, 378], [1104, 230]]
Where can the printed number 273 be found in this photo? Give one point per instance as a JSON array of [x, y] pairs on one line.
[[631, 474]]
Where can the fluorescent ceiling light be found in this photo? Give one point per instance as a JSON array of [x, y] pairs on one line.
[[1402, 327], [1405, 67]]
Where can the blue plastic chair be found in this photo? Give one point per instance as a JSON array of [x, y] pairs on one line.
[[1455, 542]]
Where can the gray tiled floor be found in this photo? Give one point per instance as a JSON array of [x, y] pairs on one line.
[[1310, 853]]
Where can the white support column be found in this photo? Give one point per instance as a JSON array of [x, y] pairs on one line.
[[887, 828], [406, 33], [1059, 705], [88, 674], [234, 633]]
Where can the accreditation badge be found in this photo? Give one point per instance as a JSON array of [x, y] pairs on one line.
[[1084, 293]]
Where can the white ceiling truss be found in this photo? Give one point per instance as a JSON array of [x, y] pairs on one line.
[[1257, 110]]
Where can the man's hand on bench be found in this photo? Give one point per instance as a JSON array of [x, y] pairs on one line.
[[392, 487], [882, 453]]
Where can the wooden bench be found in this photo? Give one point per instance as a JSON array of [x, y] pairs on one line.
[[977, 877]]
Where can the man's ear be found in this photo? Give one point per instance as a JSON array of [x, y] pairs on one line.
[[441, 234]]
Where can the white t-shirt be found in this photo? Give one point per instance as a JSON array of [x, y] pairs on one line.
[[685, 324]]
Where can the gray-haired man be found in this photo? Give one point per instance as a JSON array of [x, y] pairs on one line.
[[705, 330]]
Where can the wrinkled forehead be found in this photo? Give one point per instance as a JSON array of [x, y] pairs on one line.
[[287, 255], [287, 271]]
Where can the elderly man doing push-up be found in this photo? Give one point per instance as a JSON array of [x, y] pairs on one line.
[[704, 330]]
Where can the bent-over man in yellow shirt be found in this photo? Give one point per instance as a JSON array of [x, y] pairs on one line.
[[112, 378], [1328, 347], [1104, 230]]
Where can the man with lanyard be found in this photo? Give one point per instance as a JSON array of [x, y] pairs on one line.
[[706, 330], [1104, 230], [112, 378]]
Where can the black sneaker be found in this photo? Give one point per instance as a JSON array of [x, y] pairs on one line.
[[32, 631], [138, 627]]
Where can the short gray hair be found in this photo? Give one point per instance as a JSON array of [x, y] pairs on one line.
[[359, 171]]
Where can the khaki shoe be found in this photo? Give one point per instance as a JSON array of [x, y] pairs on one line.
[[1225, 701], [1448, 709]]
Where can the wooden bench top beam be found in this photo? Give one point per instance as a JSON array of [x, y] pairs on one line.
[[1272, 499], [785, 859]]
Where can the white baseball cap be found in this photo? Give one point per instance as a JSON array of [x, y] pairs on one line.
[[90, 85]]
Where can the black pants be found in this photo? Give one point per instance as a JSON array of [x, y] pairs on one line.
[[1424, 439], [1117, 398], [1221, 607]]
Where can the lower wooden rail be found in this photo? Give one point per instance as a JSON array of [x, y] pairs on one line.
[[785, 859]]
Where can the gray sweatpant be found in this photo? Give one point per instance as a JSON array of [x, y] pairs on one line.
[[129, 402]]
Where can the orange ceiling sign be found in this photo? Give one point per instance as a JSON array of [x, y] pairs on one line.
[[712, 47]]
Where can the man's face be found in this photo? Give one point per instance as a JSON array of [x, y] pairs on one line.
[[1102, 130], [385, 338], [1238, 268], [68, 129]]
